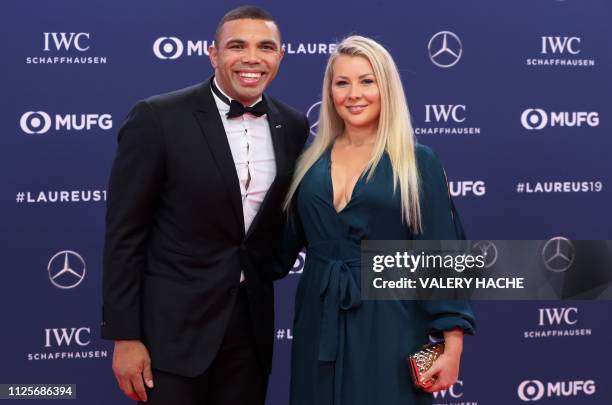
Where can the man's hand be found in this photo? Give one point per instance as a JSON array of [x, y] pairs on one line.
[[132, 365]]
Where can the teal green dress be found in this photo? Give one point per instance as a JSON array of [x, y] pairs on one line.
[[345, 350]]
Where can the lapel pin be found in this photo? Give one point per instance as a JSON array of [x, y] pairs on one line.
[[278, 126]]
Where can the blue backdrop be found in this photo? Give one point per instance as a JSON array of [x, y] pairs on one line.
[[513, 95]]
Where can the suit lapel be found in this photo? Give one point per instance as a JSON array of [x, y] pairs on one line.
[[277, 128], [278, 140], [210, 122]]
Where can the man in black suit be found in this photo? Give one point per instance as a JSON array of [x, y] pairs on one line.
[[194, 208]]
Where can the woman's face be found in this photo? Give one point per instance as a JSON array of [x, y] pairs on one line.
[[355, 92]]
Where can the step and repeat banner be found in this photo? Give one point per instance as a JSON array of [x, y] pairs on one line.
[[514, 96]]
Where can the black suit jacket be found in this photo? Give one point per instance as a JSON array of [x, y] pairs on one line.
[[175, 241]]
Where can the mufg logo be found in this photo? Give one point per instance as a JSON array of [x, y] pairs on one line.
[[298, 266], [537, 118], [467, 187], [534, 390], [41, 122], [174, 48]]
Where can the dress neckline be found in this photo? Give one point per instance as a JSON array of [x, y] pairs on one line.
[[330, 180]]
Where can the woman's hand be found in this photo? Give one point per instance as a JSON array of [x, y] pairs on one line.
[[445, 369]]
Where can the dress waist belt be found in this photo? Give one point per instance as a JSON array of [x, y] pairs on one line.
[[339, 290]]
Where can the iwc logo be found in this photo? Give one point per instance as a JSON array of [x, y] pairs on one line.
[[66, 48], [446, 119], [560, 50], [69, 343]]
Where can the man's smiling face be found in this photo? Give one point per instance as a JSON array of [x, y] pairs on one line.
[[246, 58]]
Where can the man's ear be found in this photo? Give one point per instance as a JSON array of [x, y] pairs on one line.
[[282, 53], [212, 54]]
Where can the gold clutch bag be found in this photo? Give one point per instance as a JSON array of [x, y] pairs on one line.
[[422, 361]]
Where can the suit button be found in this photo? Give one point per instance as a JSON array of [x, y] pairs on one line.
[[233, 291]]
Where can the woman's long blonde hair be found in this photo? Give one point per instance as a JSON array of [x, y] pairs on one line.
[[394, 134]]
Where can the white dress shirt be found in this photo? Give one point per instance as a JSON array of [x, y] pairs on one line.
[[251, 144]]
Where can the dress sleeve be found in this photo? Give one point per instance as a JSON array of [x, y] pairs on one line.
[[440, 221]]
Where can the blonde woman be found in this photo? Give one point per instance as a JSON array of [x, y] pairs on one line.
[[364, 177]]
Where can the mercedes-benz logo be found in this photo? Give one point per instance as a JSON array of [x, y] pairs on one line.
[[313, 115], [66, 269], [487, 249], [445, 49], [558, 254]]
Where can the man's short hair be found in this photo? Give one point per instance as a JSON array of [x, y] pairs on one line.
[[245, 12]]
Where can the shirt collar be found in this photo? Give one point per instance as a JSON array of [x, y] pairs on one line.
[[220, 104]]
